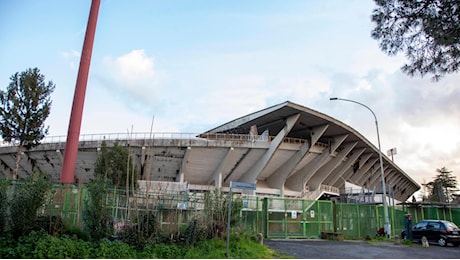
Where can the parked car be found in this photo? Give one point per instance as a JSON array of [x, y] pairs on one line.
[[437, 231]]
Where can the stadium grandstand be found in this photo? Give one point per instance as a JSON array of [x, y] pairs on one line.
[[287, 150]]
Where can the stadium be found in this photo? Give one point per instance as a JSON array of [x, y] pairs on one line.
[[286, 150]]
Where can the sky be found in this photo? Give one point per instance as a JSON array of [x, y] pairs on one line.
[[189, 66]]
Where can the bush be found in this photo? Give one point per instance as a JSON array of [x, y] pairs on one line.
[[113, 250], [25, 246], [62, 247], [4, 183], [27, 199], [193, 233], [51, 224], [167, 251], [96, 214], [76, 232]]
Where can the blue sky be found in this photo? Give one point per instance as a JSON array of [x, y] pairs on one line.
[[193, 65]]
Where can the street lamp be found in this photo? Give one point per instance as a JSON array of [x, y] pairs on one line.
[[387, 226]]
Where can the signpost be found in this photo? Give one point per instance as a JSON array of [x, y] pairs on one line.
[[236, 185]]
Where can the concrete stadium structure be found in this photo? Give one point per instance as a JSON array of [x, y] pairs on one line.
[[288, 150]]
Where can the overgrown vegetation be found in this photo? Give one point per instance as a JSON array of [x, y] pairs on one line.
[[39, 244], [27, 199], [33, 234], [96, 214]]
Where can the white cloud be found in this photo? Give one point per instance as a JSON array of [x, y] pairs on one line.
[[304, 87], [72, 57], [132, 77]]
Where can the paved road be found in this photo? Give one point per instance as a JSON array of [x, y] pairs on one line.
[[324, 249]]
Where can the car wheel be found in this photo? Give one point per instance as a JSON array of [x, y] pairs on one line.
[[442, 241], [456, 244]]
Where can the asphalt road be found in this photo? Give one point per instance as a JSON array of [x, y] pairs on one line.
[[325, 249]]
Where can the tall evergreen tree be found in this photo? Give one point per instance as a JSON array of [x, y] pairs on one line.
[[442, 188], [427, 31], [24, 107]]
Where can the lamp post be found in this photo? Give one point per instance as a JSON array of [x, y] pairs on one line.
[[387, 226]]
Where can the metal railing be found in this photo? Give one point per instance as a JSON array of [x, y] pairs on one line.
[[166, 135]]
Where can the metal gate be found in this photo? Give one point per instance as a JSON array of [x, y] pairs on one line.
[[297, 218]]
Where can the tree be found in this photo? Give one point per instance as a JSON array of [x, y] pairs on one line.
[[24, 107], [115, 164], [443, 187], [428, 31]]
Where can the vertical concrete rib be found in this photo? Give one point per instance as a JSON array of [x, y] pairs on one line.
[[183, 167], [257, 168]]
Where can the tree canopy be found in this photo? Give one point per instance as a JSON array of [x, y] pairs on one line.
[[24, 107], [442, 188], [427, 31]]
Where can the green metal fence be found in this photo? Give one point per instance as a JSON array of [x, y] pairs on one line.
[[274, 217], [296, 218]]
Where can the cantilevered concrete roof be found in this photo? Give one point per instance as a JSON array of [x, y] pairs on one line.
[[287, 150], [347, 155]]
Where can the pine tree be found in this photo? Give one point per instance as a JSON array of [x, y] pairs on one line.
[[442, 188], [24, 107], [427, 31]]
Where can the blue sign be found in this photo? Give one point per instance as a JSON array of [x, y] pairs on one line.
[[242, 185]]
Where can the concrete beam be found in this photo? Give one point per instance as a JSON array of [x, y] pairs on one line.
[[366, 164], [377, 178], [299, 179], [340, 171], [364, 170], [280, 175], [278, 179], [216, 177], [327, 169], [370, 168], [258, 167]]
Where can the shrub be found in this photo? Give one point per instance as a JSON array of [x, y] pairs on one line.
[[167, 251], [75, 231], [4, 183], [216, 213], [51, 224], [113, 249], [62, 247], [27, 199], [96, 214], [193, 233], [25, 246]]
